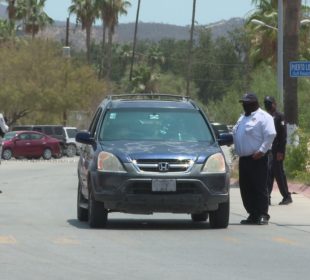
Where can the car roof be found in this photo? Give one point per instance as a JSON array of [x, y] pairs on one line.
[[28, 131], [149, 101]]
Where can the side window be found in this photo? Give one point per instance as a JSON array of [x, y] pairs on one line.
[[48, 130], [24, 136], [35, 136], [38, 128], [58, 130], [94, 123]]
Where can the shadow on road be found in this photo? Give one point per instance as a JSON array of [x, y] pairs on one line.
[[146, 224]]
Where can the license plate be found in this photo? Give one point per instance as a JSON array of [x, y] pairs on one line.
[[164, 185]]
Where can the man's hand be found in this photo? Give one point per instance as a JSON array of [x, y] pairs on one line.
[[280, 156], [258, 155]]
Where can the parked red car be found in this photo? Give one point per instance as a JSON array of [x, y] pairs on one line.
[[30, 144]]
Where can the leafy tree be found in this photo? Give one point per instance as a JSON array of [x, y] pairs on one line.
[[6, 31], [38, 85], [144, 79], [215, 67]]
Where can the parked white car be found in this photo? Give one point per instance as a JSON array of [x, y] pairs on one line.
[[72, 147]]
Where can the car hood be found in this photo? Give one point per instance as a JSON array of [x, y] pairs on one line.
[[131, 150]]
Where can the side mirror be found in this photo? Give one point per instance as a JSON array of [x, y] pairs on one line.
[[225, 139], [84, 137]]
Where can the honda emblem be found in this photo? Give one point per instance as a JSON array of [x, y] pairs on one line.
[[163, 166]]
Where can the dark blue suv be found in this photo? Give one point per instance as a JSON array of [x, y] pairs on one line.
[[149, 153]]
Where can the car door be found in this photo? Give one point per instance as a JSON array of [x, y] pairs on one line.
[[87, 154], [38, 142], [22, 145]]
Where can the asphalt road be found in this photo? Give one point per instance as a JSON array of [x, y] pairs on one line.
[[41, 239]]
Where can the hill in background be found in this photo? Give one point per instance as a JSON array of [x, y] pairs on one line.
[[124, 32]]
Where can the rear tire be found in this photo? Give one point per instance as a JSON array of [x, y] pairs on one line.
[[47, 154], [220, 217], [82, 213], [71, 150], [199, 217], [97, 214]]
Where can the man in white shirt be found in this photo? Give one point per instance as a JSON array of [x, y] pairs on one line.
[[4, 128], [253, 134]]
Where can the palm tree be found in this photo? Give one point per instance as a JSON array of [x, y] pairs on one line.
[[291, 46], [264, 39], [109, 13], [86, 13], [31, 12]]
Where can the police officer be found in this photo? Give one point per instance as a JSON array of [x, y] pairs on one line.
[[253, 136], [276, 170]]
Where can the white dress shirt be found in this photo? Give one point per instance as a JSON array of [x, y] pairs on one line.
[[254, 133]]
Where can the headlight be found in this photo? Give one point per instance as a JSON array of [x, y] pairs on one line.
[[215, 164], [109, 163]]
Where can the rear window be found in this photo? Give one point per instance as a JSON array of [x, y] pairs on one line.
[[58, 130], [155, 125], [71, 132]]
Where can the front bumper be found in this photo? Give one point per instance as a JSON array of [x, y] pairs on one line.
[[132, 193]]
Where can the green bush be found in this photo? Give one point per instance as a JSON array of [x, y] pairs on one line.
[[297, 158]]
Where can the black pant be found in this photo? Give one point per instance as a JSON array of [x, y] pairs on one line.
[[276, 171], [253, 187]]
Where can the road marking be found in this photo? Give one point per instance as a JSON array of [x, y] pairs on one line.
[[283, 240], [66, 241], [7, 239]]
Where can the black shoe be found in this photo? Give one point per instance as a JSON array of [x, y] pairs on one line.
[[286, 201], [262, 220], [249, 221]]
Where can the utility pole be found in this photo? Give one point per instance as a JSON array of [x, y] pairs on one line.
[[190, 49], [291, 38], [66, 54], [134, 41], [280, 52]]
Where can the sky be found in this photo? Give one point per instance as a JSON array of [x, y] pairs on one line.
[[178, 12]]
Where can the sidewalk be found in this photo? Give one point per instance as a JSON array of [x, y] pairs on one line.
[[294, 188], [295, 215]]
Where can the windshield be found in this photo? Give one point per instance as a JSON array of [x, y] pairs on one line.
[[155, 125], [9, 135]]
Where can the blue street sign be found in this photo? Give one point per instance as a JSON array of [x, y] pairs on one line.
[[299, 69]]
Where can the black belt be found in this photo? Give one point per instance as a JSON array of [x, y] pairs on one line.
[[247, 157], [251, 156]]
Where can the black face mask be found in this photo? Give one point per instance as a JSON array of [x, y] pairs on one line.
[[249, 108], [268, 106]]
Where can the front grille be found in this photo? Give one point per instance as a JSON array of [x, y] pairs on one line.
[[146, 188], [164, 165]]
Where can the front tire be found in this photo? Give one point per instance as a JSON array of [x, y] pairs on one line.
[[7, 154], [220, 217], [97, 214]]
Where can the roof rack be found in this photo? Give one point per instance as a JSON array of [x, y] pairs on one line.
[[147, 96]]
